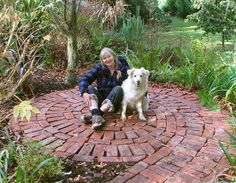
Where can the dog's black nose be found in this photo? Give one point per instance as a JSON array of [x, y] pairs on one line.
[[138, 82]]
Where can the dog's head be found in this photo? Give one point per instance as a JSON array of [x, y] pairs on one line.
[[139, 76]]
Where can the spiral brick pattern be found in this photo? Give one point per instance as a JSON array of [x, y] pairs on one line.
[[177, 143]]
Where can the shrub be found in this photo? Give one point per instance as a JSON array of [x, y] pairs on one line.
[[132, 30]]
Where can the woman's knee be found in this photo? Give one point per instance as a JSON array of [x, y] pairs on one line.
[[118, 89], [91, 89]]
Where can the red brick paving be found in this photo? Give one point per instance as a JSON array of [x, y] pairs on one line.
[[177, 143]]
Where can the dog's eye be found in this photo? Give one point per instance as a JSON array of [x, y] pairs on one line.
[[141, 75], [134, 75]]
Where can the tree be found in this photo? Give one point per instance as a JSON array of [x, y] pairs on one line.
[[70, 28], [216, 16]]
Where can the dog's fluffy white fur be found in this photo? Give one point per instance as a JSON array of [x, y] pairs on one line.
[[135, 90]]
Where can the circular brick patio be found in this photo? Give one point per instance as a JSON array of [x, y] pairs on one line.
[[177, 143]]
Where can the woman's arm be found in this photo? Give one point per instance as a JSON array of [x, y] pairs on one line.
[[88, 79]]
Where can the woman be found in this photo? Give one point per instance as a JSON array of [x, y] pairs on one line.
[[107, 95]]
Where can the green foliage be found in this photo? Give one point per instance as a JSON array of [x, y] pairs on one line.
[[132, 30], [157, 15], [226, 146], [28, 163], [169, 6], [216, 16], [133, 5], [180, 8], [221, 81], [207, 100], [24, 110], [89, 38], [38, 163]]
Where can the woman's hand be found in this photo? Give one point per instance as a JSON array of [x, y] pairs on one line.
[[86, 97]]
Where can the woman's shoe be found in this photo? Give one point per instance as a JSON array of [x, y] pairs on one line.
[[107, 106], [97, 122], [86, 119]]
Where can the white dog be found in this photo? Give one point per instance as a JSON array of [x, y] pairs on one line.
[[135, 92]]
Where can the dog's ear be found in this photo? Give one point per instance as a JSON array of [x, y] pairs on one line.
[[130, 72], [147, 72]]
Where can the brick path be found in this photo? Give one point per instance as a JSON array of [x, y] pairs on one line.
[[177, 143]]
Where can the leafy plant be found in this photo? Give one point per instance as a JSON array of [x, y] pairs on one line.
[[132, 30], [215, 16], [207, 100], [36, 163], [229, 150], [24, 110], [28, 163]]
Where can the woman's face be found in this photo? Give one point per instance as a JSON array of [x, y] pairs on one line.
[[109, 60]]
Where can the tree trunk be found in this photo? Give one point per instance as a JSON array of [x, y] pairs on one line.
[[71, 77], [223, 40]]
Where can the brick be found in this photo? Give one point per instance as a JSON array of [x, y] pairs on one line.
[[55, 144], [122, 141], [86, 133], [41, 136], [86, 149], [148, 149], [133, 158], [141, 132], [110, 159], [151, 175], [83, 158], [166, 164], [122, 178], [124, 150], [181, 131], [131, 134], [149, 128], [174, 141], [161, 124], [62, 136], [43, 123], [74, 148], [100, 141], [48, 140], [64, 125], [180, 160], [156, 144], [51, 130], [58, 118], [99, 150], [179, 150], [111, 128], [35, 133], [120, 135], [161, 171], [68, 129], [168, 134], [140, 179], [68, 115], [138, 167], [136, 149], [111, 150], [57, 123], [158, 132], [145, 138], [108, 135], [164, 151], [97, 135], [65, 146]]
